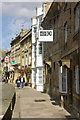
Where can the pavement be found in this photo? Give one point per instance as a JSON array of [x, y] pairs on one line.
[[33, 104]]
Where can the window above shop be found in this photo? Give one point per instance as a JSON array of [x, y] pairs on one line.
[[35, 29], [65, 31], [77, 79], [77, 18]]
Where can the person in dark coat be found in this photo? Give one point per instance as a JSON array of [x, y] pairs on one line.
[[22, 81], [18, 82]]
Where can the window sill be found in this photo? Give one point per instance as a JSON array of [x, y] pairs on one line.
[[64, 94]]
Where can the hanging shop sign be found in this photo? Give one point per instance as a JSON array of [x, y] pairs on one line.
[[13, 61], [45, 35], [7, 59]]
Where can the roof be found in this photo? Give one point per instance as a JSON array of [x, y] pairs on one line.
[[8, 51], [15, 39], [27, 35]]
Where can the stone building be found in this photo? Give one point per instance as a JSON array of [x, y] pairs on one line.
[[62, 56], [26, 51], [15, 55], [21, 51]]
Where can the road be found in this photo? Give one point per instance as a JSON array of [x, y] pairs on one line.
[[6, 95]]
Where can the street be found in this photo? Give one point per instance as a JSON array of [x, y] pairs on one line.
[[33, 104], [40, 60]]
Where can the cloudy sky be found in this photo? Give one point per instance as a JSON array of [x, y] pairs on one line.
[[14, 16]]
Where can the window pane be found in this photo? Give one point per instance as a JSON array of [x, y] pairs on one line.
[[40, 48], [60, 79], [76, 19], [77, 79], [64, 80], [40, 76], [66, 33]]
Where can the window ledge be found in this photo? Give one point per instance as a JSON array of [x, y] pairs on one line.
[[64, 94]]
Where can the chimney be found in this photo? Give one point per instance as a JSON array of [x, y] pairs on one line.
[[16, 35], [12, 39], [21, 30]]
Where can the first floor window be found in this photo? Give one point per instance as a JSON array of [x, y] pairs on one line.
[[40, 48], [77, 79], [65, 32], [35, 29], [77, 17]]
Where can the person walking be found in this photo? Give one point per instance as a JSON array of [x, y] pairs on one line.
[[18, 82], [22, 81]]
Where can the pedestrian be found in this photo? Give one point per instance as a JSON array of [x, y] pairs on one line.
[[22, 81], [4, 80], [18, 82]]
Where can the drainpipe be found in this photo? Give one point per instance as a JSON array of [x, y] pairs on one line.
[[24, 59], [27, 58]]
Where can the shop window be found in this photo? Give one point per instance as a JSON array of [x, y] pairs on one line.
[[77, 79], [62, 79], [77, 17]]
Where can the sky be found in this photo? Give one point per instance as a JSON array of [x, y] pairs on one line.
[[16, 15]]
